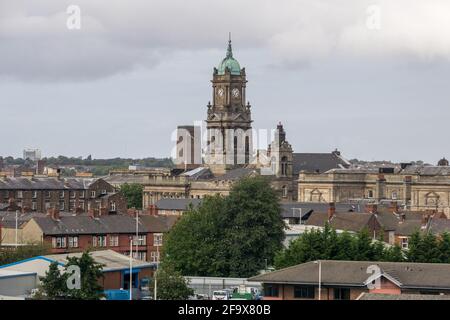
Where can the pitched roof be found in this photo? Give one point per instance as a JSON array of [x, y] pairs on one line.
[[350, 221], [291, 209], [88, 225], [354, 273], [427, 170], [318, 162], [159, 223], [238, 173], [403, 296], [177, 204], [439, 226], [21, 183], [408, 227], [8, 219]]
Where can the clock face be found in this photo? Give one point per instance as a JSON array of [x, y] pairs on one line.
[[235, 92], [220, 92]]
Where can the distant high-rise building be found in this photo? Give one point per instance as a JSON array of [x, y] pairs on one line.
[[32, 154]]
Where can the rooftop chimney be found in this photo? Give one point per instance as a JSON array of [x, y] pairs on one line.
[[371, 208], [93, 213], [53, 213], [331, 211], [425, 219], [152, 210], [103, 211], [402, 217], [393, 207]]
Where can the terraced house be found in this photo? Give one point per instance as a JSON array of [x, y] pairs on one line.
[[67, 194]]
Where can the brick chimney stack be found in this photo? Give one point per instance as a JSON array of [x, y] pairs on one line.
[[393, 207], [331, 211], [40, 167], [93, 213], [53, 213], [371, 208], [103, 211], [152, 210]]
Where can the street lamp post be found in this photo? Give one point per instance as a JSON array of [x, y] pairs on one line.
[[319, 262], [131, 268], [17, 227]]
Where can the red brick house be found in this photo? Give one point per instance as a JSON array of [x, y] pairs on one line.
[[347, 280], [97, 230]]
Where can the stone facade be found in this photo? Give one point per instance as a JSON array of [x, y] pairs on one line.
[[414, 187]]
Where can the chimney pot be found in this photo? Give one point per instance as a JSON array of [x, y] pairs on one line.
[[371, 208], [331, 211]]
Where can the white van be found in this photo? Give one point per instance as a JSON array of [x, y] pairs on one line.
[[221, 295]]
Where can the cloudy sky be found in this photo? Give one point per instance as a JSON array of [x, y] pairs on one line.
[[370, 78]]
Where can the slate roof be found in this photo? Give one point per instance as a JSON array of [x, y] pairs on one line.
[[408, 227], [159, 223], [8, 219], [88, 225], [349, 221], [427, 170], [439, 226], [354, 273], [318, 162], [403, 296], [177, 204], [307, 207], [238, 173], [20, 183]]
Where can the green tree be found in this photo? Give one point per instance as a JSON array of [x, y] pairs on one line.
[[253, 227], [424, 248], [364, 247], [229, 236], [133, 193], [90, 272], [53, 284], [415, 249], [193, 244], [444, 248], [171, 285], [393, 254]]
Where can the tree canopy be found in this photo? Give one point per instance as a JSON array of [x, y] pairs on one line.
[[171, 285], [133, 193], [327, 244], [233, 236], [54, 285]]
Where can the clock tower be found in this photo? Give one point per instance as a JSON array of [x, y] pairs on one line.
[[228, 122]]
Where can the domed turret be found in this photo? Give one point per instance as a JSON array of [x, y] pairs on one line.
[[230, 63], [443, 163]]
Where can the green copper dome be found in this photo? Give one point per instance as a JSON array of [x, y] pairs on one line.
[[229, 62]]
